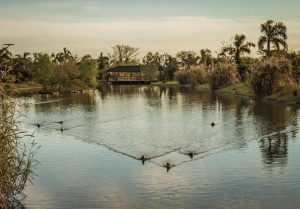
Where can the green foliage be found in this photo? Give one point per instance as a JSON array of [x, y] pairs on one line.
[[273, 39], [43, 69], [186, 59], [22, 67], [88, 71], [103, 65], [166, 64], [223, 74], [197, 75], [236, 50], [294, 57], [206, 57], [150, 72], [270, 75], [63, 74]]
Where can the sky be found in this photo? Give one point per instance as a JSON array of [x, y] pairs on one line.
[[166, 26]]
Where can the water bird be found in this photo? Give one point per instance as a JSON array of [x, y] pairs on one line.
[[62, 129], [168, 166], [191, 154], [143, 159], [212, 124]]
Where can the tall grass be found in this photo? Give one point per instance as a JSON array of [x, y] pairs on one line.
[[223, 74], [16, 159], [196, 75], [270, 75]]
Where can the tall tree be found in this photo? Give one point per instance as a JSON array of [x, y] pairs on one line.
[[123, 54], [63, 57], [170, 66], [237, 49], [186, 59], [155, 59], [88, 70], [22, 67], [206, 57], [274, 37], [103, 65], [42, 68], [5, 60]]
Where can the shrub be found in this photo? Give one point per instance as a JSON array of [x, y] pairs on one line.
[[88, 71], [223, 74], [194, 76], [16, 159], [270, 75], [63, 74]]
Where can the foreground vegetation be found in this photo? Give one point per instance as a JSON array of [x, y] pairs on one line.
[[16, 159]]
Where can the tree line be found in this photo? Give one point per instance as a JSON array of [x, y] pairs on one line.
[[66, 70]]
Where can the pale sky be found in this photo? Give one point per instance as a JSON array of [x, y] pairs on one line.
[[92, 26]]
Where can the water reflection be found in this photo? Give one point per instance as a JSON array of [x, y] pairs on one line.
[[142, 130], [173, 120]]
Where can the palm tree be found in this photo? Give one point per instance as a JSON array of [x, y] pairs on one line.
[[5, 60], [21, 66], [274, 37], [237, 49], [5, 54]]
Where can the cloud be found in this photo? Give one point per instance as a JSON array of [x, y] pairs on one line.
[[164, 34]]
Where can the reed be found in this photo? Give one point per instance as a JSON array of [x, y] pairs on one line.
[[270, 75], [223, 74], [196, 75], [16, 158]]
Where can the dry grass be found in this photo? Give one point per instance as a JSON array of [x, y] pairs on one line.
[[270, 76], [197, 75], [224, 74], [16, 159]]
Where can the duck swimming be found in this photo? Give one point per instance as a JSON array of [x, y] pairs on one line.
[[191, 154], [143, 159], [212, 124], [168, 166]]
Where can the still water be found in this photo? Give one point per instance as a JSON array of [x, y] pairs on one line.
[[249, 159]]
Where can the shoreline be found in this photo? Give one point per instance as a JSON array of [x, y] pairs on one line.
[[285, 96], [243, 90]]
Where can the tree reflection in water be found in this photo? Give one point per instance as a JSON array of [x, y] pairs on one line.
[[181, 114]]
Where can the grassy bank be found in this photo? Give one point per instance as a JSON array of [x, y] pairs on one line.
[[22, 88], [289, 95]]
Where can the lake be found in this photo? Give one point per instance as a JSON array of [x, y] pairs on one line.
[[249, 159]]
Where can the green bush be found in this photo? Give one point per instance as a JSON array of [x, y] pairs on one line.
[[63, 74], [270, 75], [88, 71], [223, 74], [196, 75]]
